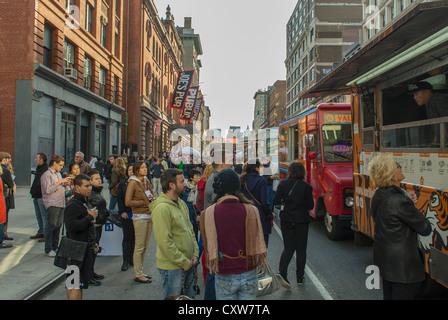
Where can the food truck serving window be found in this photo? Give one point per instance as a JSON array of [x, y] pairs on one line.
[[410, 124]]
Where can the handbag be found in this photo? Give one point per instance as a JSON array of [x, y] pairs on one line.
[[70, 252], [267, 281], [114, 190]]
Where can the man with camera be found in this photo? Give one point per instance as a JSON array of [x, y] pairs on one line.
[[79, 222]]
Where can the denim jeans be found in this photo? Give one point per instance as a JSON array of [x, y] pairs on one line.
[[2, 232], [113, 204], [41, 215], [53, 229], [176, 280], [240, 286]]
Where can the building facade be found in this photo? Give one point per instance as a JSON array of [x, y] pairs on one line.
[[270, 106], [276, 104], [153, 55], [62, 81], [380, 14], [260, 108], [317, 33]]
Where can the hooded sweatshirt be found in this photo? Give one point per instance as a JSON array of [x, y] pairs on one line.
[[173, 232]]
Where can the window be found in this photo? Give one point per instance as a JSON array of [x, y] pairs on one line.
[[102, 91], [115, 90], [87, 73], [69, 55], [337, 142], [100, 140], [89, 18], [103, 34], [117, 45], [368, 118], [69, 3], [68, 129], [48, 40], [405, 124]]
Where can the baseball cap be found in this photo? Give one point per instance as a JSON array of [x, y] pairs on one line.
[[422, 85]]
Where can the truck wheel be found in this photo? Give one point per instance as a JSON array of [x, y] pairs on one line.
[[333, 227]]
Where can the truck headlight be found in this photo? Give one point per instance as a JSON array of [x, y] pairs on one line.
[[349, 201]]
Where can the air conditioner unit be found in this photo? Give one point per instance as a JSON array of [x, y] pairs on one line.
[[71, 73]]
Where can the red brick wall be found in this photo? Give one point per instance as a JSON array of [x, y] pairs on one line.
[[16, 61]]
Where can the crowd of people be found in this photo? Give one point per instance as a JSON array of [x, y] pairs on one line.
[[219, 215]]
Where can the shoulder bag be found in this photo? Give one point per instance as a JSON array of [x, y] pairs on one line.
[[70, 252], [282, 207]]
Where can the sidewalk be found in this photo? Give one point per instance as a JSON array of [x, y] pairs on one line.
[[24, 268]]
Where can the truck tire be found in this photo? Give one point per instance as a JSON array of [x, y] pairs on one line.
[[333, 228]]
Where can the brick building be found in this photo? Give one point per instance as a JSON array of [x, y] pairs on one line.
[[61, 79], [270, 106], [153, 60]]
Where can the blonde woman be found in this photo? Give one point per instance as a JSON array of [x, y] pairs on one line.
[[397, 223], [118, 174]]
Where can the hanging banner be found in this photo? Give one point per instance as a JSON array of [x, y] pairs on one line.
[[197, 108], [157, 128], [190, 101], [184, 80]]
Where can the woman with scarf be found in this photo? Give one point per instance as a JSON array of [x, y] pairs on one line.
[[233, 240]]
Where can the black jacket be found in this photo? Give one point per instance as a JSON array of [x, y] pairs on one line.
[[298, 205], [122, 187], [259, 195], [8, 181], [78, 222], [97, 200], [36, 191], [397, 223]]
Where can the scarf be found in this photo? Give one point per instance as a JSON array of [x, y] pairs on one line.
[[256, 252]]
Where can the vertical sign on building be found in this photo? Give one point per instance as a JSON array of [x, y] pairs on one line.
[[157, 128], [197, 108], [182, 88], [187, 111]]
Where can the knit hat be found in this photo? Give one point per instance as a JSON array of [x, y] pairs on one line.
[[227, 181]]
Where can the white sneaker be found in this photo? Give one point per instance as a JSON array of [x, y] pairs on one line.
[[51, 254]]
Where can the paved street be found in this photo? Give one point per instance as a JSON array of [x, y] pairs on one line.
[[24, 268], [335, 270]]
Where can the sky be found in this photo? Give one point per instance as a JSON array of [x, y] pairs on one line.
[[244, 50]]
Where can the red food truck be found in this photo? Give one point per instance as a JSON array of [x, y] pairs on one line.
[[321, 139]]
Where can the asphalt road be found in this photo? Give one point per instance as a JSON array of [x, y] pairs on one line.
[[336, 270]]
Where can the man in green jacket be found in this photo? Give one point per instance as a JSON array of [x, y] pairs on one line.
[[177, 250]]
